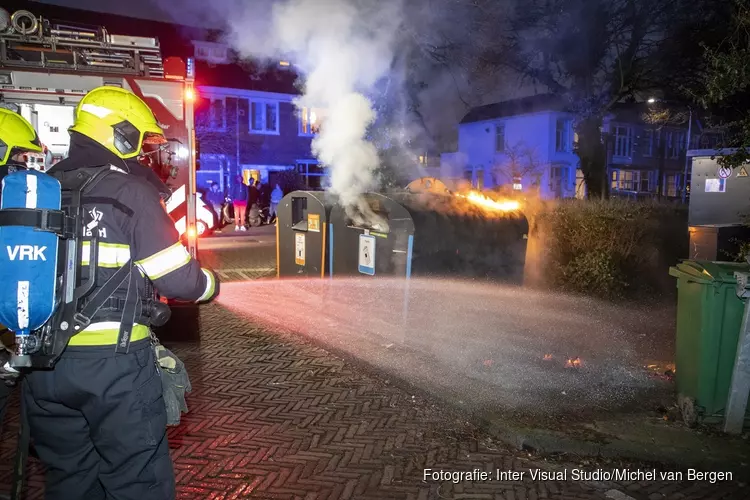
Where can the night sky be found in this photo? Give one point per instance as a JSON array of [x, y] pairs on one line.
[[145, 9]]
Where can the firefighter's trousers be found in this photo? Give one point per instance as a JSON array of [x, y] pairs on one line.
[[4, 397], [98, 423]]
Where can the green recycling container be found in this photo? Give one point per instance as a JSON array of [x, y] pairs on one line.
[[709, 318]]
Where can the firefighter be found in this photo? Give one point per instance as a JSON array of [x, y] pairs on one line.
[[17, 137], [98, 421]]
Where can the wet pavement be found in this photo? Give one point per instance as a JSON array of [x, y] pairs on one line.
[[274, 415]]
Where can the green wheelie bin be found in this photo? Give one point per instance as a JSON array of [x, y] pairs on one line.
[[709, 318]]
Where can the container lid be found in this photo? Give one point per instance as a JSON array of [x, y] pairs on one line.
[[709, 272]]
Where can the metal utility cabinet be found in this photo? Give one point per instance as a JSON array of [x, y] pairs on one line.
[[719, 198]]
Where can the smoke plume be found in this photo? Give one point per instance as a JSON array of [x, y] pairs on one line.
[[342, 49]]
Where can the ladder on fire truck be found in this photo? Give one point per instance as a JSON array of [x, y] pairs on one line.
[[31, 42], [34, 43]]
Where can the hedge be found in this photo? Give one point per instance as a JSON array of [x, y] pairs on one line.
[[607, 248]]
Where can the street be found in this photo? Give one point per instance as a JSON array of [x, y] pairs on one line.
[[275, 414]]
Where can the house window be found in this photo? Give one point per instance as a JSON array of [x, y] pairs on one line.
[[623, 142], [500, 138], [214, 53], [645, 179], [558, 180], [313, 176], [264, 117], [672, 185], [648, 149], [562, 135], [309, 121], [217, 118], [479, 179], [631, 180], [675, 141], [625, 180]]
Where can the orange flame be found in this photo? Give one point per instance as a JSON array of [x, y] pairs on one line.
[[547, 357], [573, 363], [488, 203]]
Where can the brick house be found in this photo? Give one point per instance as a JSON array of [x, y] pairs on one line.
[[250, 125]]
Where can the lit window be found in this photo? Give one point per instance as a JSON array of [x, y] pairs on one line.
[[309, 121]]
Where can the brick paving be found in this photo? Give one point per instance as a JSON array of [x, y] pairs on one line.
[[273, 416]]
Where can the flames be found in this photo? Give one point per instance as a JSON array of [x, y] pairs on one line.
[[573, 363], [487, 203]]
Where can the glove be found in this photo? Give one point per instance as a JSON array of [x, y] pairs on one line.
[[175, 383], [8, 375]]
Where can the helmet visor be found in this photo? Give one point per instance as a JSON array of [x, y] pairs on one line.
[[3, 151], [127, 138]]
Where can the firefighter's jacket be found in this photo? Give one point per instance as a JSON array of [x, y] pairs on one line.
[[124, 208]]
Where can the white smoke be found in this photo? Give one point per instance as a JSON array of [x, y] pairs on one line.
[[342, 48]]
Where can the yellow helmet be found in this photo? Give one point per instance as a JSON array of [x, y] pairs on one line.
[[17, 135], [118, 120]]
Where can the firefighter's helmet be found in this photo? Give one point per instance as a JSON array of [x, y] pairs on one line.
[[17, 136], [117, 119]]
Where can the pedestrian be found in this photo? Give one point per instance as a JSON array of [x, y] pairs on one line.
[[239, 200], [276, 197], [215, 198], [98, 420], [17, 136], [253, 194]]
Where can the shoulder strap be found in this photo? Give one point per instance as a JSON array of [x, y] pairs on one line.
[[84, 180]]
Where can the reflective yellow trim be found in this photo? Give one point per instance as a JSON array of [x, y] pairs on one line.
[[111, 255], [210, 286], [164, 262], [105, 333]]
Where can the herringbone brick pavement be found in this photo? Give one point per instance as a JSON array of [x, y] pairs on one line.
[[272, 416], [275, 417]]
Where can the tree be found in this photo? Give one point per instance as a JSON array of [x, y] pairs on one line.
[[724, 86], [521, 162], [593, 54]]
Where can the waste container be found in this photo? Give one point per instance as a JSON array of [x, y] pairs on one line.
[[302, 222], [358, 245], [709, 318], [454, 237]]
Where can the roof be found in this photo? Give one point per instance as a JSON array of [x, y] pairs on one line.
[[174, 40], [514, 107]]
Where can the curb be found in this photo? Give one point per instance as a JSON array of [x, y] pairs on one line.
[[548, 442]]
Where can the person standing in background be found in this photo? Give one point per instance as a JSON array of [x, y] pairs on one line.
[[239, 200], [253, 195], [276, 197], [216, 199]]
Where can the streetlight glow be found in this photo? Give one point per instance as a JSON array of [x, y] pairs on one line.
[[652, 100]]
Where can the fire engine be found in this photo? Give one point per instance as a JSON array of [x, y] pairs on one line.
[[46, 67]]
